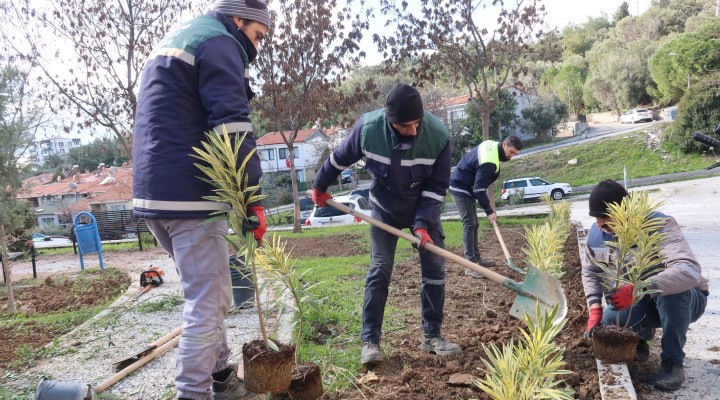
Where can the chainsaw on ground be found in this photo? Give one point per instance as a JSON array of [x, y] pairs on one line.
[[152, 276]]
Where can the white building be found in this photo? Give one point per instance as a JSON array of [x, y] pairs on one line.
[[309, 146], [452, 110], [44, 148]]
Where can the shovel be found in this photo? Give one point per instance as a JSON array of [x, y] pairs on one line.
[[508, 259], [56, 390], [538, 287]]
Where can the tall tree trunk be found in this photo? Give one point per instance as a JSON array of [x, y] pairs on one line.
[[6, 271], [297, 227]]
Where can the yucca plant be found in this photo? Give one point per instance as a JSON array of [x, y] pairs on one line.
[[559, 217], [544, 248], [227, 175], [281, 274], [528, 370], [638, 246]]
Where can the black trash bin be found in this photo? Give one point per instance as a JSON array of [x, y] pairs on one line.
[[242, 284]]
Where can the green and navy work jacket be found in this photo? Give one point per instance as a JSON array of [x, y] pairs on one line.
[[477, 170], [410, 174], [195, 81]]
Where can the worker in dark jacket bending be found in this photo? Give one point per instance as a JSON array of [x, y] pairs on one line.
[[408, 154], [682, 290], [475, 172], [196, 81]]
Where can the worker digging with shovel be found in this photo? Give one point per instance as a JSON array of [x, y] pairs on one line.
[[408, 154]]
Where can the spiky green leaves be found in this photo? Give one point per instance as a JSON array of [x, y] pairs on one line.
[[528, 370]]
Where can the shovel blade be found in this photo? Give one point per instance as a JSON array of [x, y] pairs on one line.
[[539, 287]]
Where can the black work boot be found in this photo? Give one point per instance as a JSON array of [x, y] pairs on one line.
[[670, 376], [642, 351]]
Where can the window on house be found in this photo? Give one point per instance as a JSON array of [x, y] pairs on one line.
[[61, 144], [268, 154], [283, 152], [47, 221]]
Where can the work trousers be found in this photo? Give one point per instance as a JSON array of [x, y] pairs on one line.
[[673, 313], [466, 208], [200, 253], [432, 284]]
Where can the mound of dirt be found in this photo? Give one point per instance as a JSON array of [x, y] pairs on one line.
[[69, 293], [476, 314]]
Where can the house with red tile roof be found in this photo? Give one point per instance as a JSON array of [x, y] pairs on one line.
[[56, 202], [309, 145]]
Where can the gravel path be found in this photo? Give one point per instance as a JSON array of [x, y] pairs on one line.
[[84, 354]]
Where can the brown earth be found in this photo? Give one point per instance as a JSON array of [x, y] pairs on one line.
[[476, 314], [64, 293]]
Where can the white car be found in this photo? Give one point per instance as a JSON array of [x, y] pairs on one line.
[[327, 216], [42, 241], [535, 187], [636, 115]]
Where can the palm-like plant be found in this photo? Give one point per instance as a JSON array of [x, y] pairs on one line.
[[282, 274], [638, 246], [544, 248], [529, 369], [226, 173]]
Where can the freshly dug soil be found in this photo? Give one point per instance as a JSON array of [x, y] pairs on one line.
[[67, 293], [476, 314]]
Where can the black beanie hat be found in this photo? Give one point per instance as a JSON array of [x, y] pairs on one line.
[[403, 104], [604, 193]]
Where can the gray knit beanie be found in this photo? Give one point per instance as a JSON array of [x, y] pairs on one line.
[[255, 10]]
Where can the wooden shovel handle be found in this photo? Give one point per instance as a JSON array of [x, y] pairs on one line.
[[492, 275], [502, 242], [170, 343]]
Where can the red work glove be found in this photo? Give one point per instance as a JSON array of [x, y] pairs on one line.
[[622, 298], [593, 321], [422, 234], [320, 198], [261, 228]]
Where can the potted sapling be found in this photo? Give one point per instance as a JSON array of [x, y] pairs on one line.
[[636, 252], [293, 291], [267, 364]]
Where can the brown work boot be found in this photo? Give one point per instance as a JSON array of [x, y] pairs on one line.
[[440, 346], [370, 353]]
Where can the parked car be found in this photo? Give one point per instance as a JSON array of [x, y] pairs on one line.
[[362, 192], [306, 207], [326, 216], [636, 115], [40, 241], [535, 187], [348, 176]]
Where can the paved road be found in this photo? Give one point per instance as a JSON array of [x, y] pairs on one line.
[[594, 133], [692, 204]]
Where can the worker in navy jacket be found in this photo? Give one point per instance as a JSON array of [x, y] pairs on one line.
[[196, 81], [469, 182], [407, 151]]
